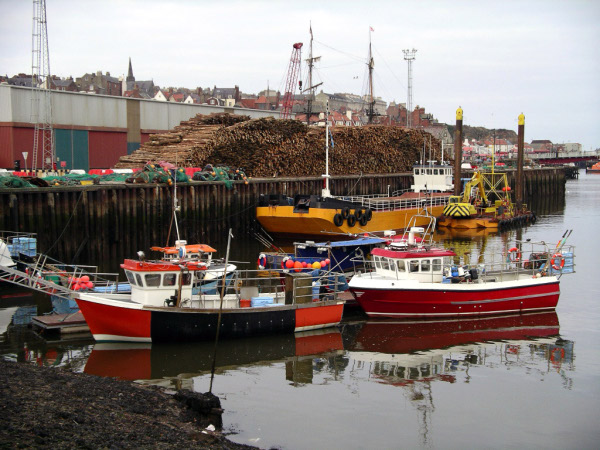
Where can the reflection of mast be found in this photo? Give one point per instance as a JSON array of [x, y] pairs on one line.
[[420, 395], [311, 89]]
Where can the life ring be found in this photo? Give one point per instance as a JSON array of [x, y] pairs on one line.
[[514, 254], [369, 214], [358, 253], [283, 261], [262, 261], [351, 220], [345, 212], [553, 354], [557, 261], [338, 220]]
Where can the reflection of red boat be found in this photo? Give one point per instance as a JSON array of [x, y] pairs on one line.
[[150, 361], [390, 336]]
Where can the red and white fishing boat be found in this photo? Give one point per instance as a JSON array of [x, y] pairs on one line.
[[411, 278], [163, 306]]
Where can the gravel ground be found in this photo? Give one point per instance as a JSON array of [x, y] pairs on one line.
[[45, 407]]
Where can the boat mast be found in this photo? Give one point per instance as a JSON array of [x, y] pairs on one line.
[[311, 89], [175, 205], [371, 64], [325, 192]]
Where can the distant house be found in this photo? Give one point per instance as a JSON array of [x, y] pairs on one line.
[[20, 80], [177, 97], [66, 84], [249, 103], [227, 93], [162, 96], [99, 83], [193, 99]]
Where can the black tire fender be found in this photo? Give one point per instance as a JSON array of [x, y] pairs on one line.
[[351, 220], [338, 220], [345, 212]]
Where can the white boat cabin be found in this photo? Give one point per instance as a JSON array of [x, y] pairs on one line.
[[433, 178], [426, 266], [152, 284]]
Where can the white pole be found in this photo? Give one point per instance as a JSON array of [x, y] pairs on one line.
[[325, 192]]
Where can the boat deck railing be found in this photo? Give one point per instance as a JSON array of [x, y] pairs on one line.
[[274, 287], [525, 260], [42, 273], [383, 202]]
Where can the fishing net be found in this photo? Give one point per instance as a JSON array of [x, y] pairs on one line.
[[220, 173], [155, 173], [71, 179], [13, 182]]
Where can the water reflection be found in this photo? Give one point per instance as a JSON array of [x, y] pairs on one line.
[[401, 353], [174, 365]]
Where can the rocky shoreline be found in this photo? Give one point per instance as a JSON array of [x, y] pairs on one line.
[[45, 407]]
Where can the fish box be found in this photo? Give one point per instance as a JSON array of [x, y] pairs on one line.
[[261, 301], [24, 245], [245, 303]]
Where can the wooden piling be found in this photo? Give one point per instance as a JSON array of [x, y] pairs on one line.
[[458, 151]]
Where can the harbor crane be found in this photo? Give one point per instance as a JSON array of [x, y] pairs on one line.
[[292, 78]]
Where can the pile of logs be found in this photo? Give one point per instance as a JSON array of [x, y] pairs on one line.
[[176, 145], [273, 147]]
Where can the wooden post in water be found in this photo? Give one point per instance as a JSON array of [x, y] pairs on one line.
[[458, 151], [520, 157]]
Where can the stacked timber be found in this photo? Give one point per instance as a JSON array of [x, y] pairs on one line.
[[273, 147], [176, 145]]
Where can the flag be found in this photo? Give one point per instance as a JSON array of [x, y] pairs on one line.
[[332, 143], [371, 28]]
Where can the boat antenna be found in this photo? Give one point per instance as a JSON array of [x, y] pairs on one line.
[[325, 192], [175, 205]]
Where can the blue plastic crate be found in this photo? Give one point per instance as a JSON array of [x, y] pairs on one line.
[[261, 301]]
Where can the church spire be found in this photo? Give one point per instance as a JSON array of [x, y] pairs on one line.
[[130, 76]]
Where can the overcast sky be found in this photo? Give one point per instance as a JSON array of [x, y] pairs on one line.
[[496, 59]]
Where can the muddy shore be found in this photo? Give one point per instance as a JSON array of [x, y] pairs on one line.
[[44, 407]]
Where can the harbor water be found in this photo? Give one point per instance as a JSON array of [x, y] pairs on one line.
[[520, 381]]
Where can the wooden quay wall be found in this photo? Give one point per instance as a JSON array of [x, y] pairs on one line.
[[91, 221]]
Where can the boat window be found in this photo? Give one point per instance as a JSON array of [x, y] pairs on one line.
[[385, 264], [401, 266], [437, 265], [130, 277], [170, 279], [413, 266], [138, 278], [425, 265], [187, 279], [152, 279], [377, 262], [435, 171]]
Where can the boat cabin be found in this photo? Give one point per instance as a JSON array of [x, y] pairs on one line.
[[157, 284], [433, 178], [421, 265]]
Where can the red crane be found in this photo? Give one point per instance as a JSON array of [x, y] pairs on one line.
[[292, 78]]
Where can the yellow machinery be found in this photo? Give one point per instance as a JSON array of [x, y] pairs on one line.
[[461, 206]]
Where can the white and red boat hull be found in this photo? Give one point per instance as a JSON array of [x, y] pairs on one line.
[[411, 300]]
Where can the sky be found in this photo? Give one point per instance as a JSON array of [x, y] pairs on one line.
[[495, 59]]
